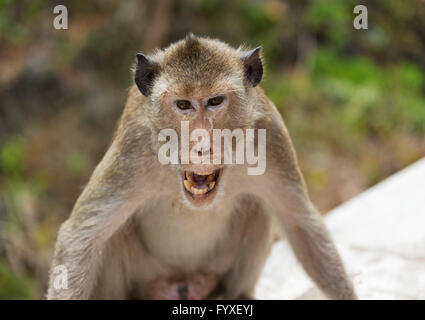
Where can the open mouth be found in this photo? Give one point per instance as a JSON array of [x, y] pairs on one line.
[[200, 184]]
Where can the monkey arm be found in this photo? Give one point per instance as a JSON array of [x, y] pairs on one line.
[[117, 187], [284, 189], [313, 245]]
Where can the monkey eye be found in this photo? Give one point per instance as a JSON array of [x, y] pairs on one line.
[[215, 101], [183, 104]]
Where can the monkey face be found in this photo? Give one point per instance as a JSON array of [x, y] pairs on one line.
[[199, 119], [200, 166], [200, 85]]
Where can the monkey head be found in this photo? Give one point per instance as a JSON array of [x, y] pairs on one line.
[[208, 85]]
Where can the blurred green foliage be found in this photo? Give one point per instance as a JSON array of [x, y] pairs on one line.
[[354, 100], [14, 286]]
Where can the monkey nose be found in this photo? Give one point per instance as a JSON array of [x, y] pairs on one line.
[[202, 150]]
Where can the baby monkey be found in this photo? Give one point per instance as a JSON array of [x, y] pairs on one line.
[[192, 230]]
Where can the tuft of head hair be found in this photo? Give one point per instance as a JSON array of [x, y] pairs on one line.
[[198, 62]]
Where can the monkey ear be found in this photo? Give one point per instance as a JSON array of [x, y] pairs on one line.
[[146, 71], [253, 66]]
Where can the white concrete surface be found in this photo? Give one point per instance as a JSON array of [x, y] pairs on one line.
[[381, 237]]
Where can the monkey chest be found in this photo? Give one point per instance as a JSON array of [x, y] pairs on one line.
[[181, 238]]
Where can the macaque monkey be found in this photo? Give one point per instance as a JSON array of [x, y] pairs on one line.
[[145, 230]]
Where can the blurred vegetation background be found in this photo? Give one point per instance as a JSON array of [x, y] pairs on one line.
[[353, 99]]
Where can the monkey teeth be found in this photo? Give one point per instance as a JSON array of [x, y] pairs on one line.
[[187, 185], [200, 183], [204, 173], [198, 191]]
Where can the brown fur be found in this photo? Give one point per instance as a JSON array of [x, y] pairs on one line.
[[132, 232]]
